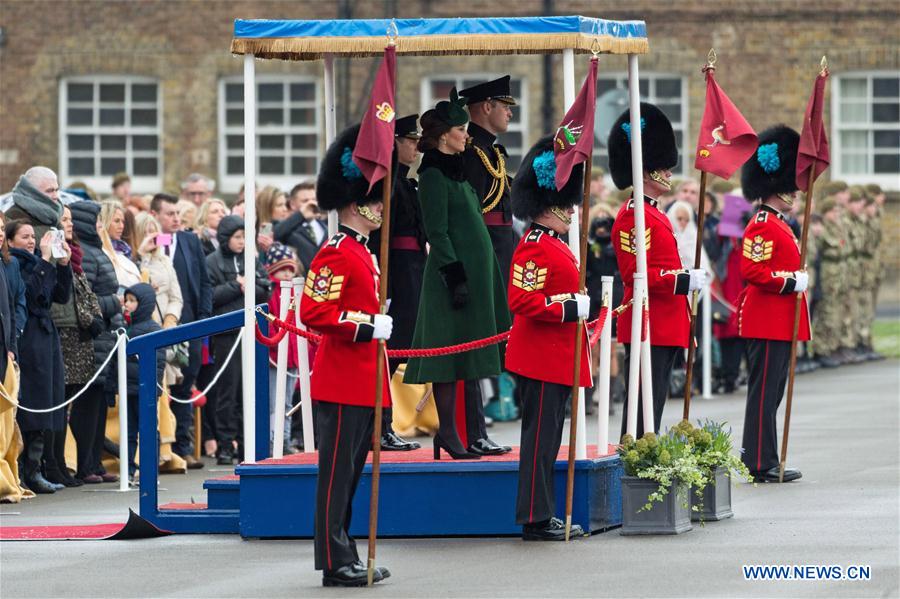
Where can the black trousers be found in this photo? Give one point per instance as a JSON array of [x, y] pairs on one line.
[[475, 426], [543, 416], [345, 438], [88, 423], [732, 351], [184, 413], [229, 396], [767, 364], [662, 359]]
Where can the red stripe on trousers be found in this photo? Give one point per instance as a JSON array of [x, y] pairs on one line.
[[337, 441], [537, 435], [762, 394]]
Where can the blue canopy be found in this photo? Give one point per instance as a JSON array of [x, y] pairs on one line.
[[309, 40]]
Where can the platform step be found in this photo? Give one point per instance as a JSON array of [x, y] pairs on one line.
[[223, 493]]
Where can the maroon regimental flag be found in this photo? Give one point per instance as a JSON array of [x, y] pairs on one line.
[[726, 138], [574, 139], [375, 143], [813, 141]]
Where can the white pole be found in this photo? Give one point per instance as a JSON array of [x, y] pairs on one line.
[[309, 442], [276, 423], [330, 126], [646, 374], [606, 283], [248, 351], [707, 344], [634, 362], [123, 413]]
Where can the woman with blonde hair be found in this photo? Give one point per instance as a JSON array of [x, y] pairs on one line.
[[271, 207], [111, 225], [211, 212], [158, 270], [187, 212]]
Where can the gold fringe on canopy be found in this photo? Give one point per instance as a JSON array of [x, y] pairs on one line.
[[313, 48]]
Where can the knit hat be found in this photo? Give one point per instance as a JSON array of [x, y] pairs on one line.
[[278, 257]]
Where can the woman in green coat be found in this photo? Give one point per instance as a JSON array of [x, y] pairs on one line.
[[463, 297]]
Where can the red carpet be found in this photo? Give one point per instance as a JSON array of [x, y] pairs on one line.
[[135, 528]]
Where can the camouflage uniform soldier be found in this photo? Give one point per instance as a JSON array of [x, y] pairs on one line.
[[828, 318], [871, 275], [856, 263]]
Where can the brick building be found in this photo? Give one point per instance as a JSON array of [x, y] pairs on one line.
[[90, 88]]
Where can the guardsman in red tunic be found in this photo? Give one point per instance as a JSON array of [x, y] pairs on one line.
[[668, 281], [546, 304], [770, 262], [340, 300]]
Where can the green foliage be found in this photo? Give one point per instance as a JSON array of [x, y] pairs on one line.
[[886, 337]]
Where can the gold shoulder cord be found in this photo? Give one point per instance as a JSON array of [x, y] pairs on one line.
[[498, 174]]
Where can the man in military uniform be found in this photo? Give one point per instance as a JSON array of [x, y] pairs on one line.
[[340, 300], [667, 282], [546, 303], [872, 271], [770, 261], [856, 233], [829, 313], [407, 260]]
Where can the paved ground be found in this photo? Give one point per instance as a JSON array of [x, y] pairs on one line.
[[844, 512]]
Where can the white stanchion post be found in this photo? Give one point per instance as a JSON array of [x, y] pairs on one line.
[[123, 412], [646, 374], [309, 443], [606, 284], [248, 351], [330, 125], [707, 345], [634, 362], [276, 423]]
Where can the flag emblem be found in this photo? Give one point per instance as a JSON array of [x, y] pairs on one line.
[[567, 136], [385, 112], [718, 137]]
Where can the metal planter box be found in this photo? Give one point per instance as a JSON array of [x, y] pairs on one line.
[[716, 498], [671, 516]]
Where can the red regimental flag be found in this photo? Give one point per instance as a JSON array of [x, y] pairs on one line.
[[726, 138], [574, 139], [813, 141], [375, 143]]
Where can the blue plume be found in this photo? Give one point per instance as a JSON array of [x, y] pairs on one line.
[[348, 167], [767, 156], [626, 127], [544, 166]]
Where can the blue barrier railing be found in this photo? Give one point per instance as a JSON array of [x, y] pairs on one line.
[[145, 346]]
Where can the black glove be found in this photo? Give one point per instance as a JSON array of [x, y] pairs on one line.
[[460, 296], [96, 327], [454, 275]]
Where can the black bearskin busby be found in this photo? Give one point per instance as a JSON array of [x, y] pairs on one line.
[[772, 169], [340, 181], [658, 145], [534, 188]]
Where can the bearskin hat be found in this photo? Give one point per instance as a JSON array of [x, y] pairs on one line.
[[657, 141], [340, 182], [534, 188], [772, 169]]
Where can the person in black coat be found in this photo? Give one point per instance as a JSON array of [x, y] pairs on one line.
[[226, 267], [88, 416], [140, 302], [9, 330], [40, 356], [302, 230]]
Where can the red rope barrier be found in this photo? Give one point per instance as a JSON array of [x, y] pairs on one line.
[[281, 331]]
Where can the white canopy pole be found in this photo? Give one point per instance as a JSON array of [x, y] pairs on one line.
[[248, 351], [309, 443], [122, 372], [276, 423], [606, 283], [634, 361], [646, 378], [707, 343], [330, 126], [574, 228]]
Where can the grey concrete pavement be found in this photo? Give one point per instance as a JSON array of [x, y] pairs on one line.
[[845, 511]]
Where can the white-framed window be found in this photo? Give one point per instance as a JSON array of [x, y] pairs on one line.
[[866, 120], [109, 124], [289, 130], [435, 89], [665, 90]]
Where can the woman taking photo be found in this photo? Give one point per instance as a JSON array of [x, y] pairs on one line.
[[463, 297], [271, 207]]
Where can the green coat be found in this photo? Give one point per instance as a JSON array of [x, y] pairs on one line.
[[457, 234]]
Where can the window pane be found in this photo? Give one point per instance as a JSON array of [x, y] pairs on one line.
[[644, 87], [854, 88], [668, 88], [605, 85], [304, 142], [887, 163], [235, 165], [145, 142], [885, 113], [271, 165], [673, 111], [112, 116], [143, 117], [303, 116], [112, 142], [303, 165], [886, 87], [143, 92], [303, 91], [511, 139], [271, 92], [854, 164], [854, 140], [271, 116], [111, 166], [80, 116], [440, 89], [854, 112], [81, 142], [146, 167], [81, 166], [234, 142], [112, 92], [234, 93], [81, 92], [515, 88], [271, 142], [887, 139], [234, 117]]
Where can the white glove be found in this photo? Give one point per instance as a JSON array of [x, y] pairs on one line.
[[584, 305], [699, 279], [384, 326], [802, 279]]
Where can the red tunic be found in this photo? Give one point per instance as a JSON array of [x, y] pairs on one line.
[[770, 255], [667, 281], [543, 281], [340, 300]]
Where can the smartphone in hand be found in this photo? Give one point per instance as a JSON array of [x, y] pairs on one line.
[[163, 239], [57, 246]]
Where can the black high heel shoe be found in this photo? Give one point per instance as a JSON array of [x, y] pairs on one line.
[[439, 444]]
